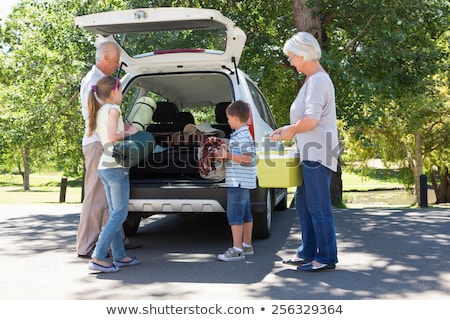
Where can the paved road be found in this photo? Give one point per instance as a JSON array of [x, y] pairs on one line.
[[384, 254]]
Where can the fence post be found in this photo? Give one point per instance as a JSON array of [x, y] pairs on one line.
[[63, 189], [423, 191]]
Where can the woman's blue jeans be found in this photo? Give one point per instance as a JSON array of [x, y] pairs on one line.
[[313, 205], [117, 188]]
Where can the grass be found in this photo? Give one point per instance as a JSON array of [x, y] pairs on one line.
[[371, 179], [375, 187], [45, 187]]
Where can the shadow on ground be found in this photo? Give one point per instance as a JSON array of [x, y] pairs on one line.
[[384, 254]]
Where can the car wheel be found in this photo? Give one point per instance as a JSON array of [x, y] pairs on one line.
[[131, 225], [282, 205], [262, 221]]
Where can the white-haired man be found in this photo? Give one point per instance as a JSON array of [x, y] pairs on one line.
[[94, 210]]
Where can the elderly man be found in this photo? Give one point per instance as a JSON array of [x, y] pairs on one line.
[[94, 211]]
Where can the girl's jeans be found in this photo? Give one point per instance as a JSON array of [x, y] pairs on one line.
[[313, 205], [117, 188]]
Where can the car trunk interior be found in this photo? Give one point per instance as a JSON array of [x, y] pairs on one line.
[[183, 98]]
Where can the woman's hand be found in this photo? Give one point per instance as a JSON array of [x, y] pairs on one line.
[[283, 133], [127, 124]]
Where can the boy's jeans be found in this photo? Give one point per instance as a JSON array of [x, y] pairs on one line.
[[117, 188], [313, 205], [238, 206]]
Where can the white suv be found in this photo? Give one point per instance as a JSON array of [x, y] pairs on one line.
[[185, 60]]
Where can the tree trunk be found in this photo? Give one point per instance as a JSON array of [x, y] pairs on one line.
[[336, 188], [446, 180], [307, 19], [26, 169], [433, 175], [441, 191]]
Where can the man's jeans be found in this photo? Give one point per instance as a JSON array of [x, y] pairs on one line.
[[313, 205], [117, 188]]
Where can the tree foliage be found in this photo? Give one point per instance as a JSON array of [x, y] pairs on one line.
[[43, 60], [387, 60]]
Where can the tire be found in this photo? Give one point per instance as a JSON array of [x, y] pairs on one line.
[[283, 204], [131, 225], [262, 221]]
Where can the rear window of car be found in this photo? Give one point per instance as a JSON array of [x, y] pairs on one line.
[[160, 42]]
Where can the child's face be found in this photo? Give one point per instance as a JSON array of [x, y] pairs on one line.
[[234, 122], [116, 96]]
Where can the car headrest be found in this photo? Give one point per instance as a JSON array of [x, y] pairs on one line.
[[165, 112], [184, 117], [221, 115]]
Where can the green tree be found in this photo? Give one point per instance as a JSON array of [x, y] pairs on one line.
[[386, 59], [43, 60]]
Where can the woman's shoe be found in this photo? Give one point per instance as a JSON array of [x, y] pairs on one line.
[[321, 267], [98, 267], [296, 261], [132, 262]]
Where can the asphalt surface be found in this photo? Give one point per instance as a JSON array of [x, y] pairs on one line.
[[384, 254]]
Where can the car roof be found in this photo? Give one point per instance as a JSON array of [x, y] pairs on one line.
[[122, 25]]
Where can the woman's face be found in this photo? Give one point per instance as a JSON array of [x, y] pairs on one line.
[[296, 61]]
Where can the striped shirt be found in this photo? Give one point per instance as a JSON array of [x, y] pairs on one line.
[[237, 175]]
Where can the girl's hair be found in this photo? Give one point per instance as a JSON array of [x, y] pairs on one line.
[[97, 95], [239, 109], [303, 44]]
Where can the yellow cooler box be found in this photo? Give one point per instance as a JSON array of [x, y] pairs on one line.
[[279, 169]]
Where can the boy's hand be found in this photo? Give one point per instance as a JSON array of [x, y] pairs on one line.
[[220, 153]]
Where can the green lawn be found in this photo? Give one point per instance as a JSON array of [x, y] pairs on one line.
[[44, 188], [375, 179]]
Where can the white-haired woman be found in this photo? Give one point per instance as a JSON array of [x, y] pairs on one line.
[[313, 126]]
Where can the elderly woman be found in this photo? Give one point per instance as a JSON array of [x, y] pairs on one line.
[[313, 126]]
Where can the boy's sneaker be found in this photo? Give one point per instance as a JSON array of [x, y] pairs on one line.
[[248, 251], [231, 255]]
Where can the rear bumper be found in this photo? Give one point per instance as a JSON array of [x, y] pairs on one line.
[[154, 206], [187, 198]]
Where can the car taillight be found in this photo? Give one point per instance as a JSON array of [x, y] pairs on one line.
[[250, 124]]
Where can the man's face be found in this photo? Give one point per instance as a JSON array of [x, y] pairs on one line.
[[113, 62]]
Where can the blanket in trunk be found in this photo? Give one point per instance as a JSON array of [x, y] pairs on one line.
[[134, 149]]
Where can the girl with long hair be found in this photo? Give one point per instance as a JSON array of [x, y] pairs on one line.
[[105, 119]]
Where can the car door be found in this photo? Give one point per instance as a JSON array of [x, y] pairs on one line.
[[169, 39]]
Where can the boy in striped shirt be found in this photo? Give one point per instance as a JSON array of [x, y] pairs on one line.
[[240, 178]]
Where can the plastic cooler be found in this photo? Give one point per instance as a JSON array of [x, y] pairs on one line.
[[279, 169]]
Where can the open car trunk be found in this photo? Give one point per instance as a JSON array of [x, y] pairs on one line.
[[181, 100]]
